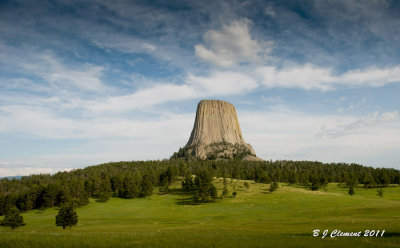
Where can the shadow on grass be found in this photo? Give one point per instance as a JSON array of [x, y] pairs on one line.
[[299, 186], [179, 192], [186, 201], [186, 198], [265, 191]]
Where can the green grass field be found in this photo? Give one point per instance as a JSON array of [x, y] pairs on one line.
[[255, 218]]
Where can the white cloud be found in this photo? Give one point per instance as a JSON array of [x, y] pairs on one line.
[[218, 83], [124, 44], [104, 139], [270, 11], [390, 116], [327, 138], [306, 77], [310, 77], [142, 98], [231, 45], [17, 170], [43, 123], [53, 71], [371, 120], [374, 77], [56, 75], [222, 83]]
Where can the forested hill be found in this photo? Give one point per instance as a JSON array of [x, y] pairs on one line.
[[138, 178]]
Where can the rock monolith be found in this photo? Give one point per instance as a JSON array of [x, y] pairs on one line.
[[216, 134]]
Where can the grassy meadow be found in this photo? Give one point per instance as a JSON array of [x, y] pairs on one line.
[[254, 218]]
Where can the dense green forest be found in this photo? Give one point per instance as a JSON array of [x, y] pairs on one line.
[[138, 179]]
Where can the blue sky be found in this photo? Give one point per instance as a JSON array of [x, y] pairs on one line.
[[86, 82]]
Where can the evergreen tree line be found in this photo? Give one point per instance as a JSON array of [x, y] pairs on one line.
[[124, 179], [201, 187], [139, 178], [306, 173]]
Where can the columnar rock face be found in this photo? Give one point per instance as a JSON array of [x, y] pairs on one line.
[[216, 134], [216, 121]]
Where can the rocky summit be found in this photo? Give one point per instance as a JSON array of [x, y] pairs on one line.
[[216, 134]]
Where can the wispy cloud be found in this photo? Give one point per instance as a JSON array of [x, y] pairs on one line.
[[49, 68], [52, 72], [126, 45], [232, 45], [310, 77], [288, 134], [373, 76], [306, 77], [355, 125], [222, 83], [218, 83], [41, 122]]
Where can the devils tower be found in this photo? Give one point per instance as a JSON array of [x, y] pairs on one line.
[[216, 134]]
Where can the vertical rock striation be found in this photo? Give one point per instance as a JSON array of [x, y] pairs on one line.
[[215, 122], [216, 134]]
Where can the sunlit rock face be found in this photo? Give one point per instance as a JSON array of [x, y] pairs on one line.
[[216, 134]]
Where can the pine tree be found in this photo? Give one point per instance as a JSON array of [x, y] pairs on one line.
[[164, 188], [187, 183], [63, 197], [246, 185], [273, 187], [213, 192], [171, 174], [13, 218], [315, 182], [116, 183], [130, 188], [96, 186], [351, 190], [380, 192], [182, 167], [66, 217], [225, 190], [203, 185], [105, 190], [147, 186]]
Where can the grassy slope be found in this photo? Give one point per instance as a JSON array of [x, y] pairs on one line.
[[255, 218]]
